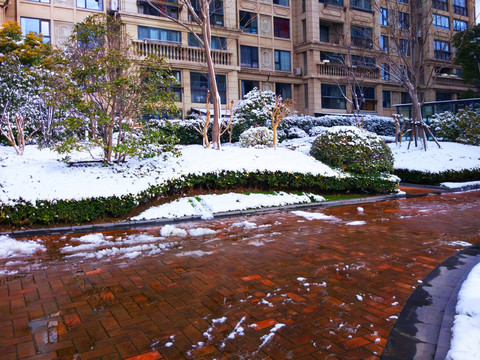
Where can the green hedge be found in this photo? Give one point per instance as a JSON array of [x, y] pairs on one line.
[[429, 178], [24, 213]]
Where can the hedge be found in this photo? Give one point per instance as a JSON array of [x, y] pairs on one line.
[[429, 178], [25, 213]]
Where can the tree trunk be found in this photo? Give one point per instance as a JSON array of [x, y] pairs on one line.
[[206, 32]]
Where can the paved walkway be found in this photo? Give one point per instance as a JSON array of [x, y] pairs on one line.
[[278, 286]]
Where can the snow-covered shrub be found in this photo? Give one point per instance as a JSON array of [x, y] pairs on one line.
[[295, 133], [251, 111], [258, 136], [353, 149], [446, 125], [462, 127]]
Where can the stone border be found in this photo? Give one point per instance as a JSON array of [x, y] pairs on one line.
[[423, 329], [160, 222]]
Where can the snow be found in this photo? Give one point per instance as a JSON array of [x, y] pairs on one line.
[[451, 156], [465, 344], [46, 171], [313, 215], [208, 205], [10, 248]]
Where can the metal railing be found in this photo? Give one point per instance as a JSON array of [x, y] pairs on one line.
[[181, 53], [339, 70]]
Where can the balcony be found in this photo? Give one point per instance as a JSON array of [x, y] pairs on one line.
[[339, 70], [177, 52]]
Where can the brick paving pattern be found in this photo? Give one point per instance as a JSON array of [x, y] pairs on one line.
[[288, 288]]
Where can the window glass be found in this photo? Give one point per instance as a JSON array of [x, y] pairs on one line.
[[459, 25], [247, 86], [281, 2], [361, 36], [146, 32], [386, 99], [282, 60], [281, 27], [440, 21], [249, 56], [361, 4], [199, 85], [332, 96], [284, 90], [90, 4], [248, 22], [36, 26], [383, 16]]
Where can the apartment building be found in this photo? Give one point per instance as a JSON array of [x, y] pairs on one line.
[[297, 48]]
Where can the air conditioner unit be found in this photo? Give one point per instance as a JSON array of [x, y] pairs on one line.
[[297, 71]]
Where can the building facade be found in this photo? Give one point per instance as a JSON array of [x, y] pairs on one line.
[[301, 49]]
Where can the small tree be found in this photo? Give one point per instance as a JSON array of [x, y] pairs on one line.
[[110, 88], [281, 110], [251, 111], [26, 71], [199, 12], [467, 44]]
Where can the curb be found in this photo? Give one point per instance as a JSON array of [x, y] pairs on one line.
[[160, 222], [423, 329]]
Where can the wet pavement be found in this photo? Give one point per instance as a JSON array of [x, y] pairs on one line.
[[278, 286]]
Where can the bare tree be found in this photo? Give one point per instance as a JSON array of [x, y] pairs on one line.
[[405, 54], [199, 12], [280, 110]]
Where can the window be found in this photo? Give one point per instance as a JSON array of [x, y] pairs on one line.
[[405, 98], [403, 20], [361, 4], [247, 86], [304, 6], [460, 7], [145, 8], [199, 84], [441, 22], [217, 42], [383, 16], [249, 56], [404, 47], [324, 34], [216, 12], [361, 36], [281, 2], [248, 22], [281, 27], [440, 5], [305, 95], [333, 58], [459, 25], [90, 4], [362, 61], [36, 26], [386, 72], [42, 1], [443, 96], [386, 99], [367, 96], [305, 63], [332, 2], [146, 32], [403, 1], [176, 89], [332, 96], [284, 90], [384, 42], [441, 50], [282, 60], [304, 30]]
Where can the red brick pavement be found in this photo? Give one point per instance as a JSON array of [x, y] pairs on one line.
[[288, 289]]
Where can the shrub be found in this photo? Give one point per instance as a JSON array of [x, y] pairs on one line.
[[258, 136], [353, 149], [462, 127], [251, 112]]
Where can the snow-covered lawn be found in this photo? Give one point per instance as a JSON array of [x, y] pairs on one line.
[[40, 174]]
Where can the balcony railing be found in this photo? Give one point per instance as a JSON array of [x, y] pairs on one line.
[[177, 52], [337, 70]]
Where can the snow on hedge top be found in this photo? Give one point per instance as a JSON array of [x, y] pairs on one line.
[[40, 175], [359, 136]]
